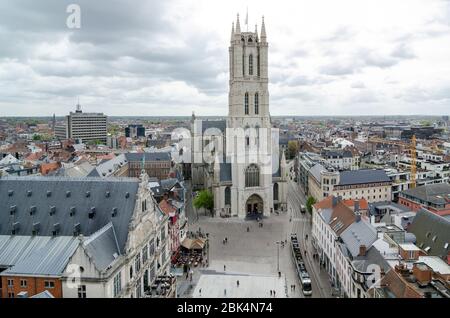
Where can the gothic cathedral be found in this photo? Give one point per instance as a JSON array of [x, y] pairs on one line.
[[238, 159]]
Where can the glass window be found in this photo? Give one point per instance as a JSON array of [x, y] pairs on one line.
[[256, 104], [227, 196], [137, 262], [82, 291], [117, 284], [246, 103], [49, 284], [252, 176], [250, 64]]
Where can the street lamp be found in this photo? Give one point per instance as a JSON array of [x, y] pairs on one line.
[[278, 255]]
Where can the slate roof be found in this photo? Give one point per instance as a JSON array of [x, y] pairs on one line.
[[108, 167], [363, 176], [44, 294], [315, 171], [102, 247], [149, 156], [433, 193], [373, 256], [427, 226], [219, 124], [63, 195], [36, 255], [357, 234]]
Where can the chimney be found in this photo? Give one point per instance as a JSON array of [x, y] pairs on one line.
[[356, 206], [334, 201], [422, 273], [362, 250]]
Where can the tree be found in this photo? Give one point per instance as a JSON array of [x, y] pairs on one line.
[[204, 199], [37, 137], [309, 203], [292, 148]]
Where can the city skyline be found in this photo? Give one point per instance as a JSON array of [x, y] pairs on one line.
[[155, 59]]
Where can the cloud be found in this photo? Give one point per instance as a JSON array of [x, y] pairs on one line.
[[166, 57]]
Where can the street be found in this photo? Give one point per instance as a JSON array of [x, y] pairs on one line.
[[256, 254], [301, 225]]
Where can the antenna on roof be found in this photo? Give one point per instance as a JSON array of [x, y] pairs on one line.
[[78, 105]]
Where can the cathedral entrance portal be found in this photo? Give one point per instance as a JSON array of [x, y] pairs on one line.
[[254, 206]]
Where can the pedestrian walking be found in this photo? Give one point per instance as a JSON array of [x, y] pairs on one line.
[[279, 274], [200, 291], [248, 229], [237, 283], [226, 240], [225, 292], [293, 286], [224, 268], [271, 293]]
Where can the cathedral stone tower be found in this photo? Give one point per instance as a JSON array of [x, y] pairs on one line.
[[249, 139], [249, 180]]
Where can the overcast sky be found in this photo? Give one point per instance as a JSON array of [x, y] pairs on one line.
[[171, 57]]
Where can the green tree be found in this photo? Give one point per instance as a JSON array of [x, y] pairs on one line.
[[292, 149], [37, 137], [204, 199], [309, 203]]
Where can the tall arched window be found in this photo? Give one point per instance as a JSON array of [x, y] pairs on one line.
[[250, 64], [252, 176], [227, 196], [246, 103], [256, 104], [275, 191], [258, 64]]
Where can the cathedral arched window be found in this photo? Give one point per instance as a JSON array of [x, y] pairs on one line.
[[256, 103], [252, 176], [257, 65], [250, 64], [227, 196], [246, 103], [275, 191]]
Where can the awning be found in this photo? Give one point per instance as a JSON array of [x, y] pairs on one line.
[[193, 244]]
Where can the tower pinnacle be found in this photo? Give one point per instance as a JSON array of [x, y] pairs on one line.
[[238, 25], [263, 31], [232, 31]]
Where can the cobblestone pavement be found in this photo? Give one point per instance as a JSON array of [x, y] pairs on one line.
[[251, 253], [256, 253]]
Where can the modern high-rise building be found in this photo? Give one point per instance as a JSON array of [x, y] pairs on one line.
[[84, 127], [135, 131]]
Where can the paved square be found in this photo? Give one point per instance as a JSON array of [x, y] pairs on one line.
[[250, 286], [252, 257]]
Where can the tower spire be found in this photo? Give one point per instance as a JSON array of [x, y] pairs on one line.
[[232, 31], [256, 31], [263, 31], [238, 25]]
